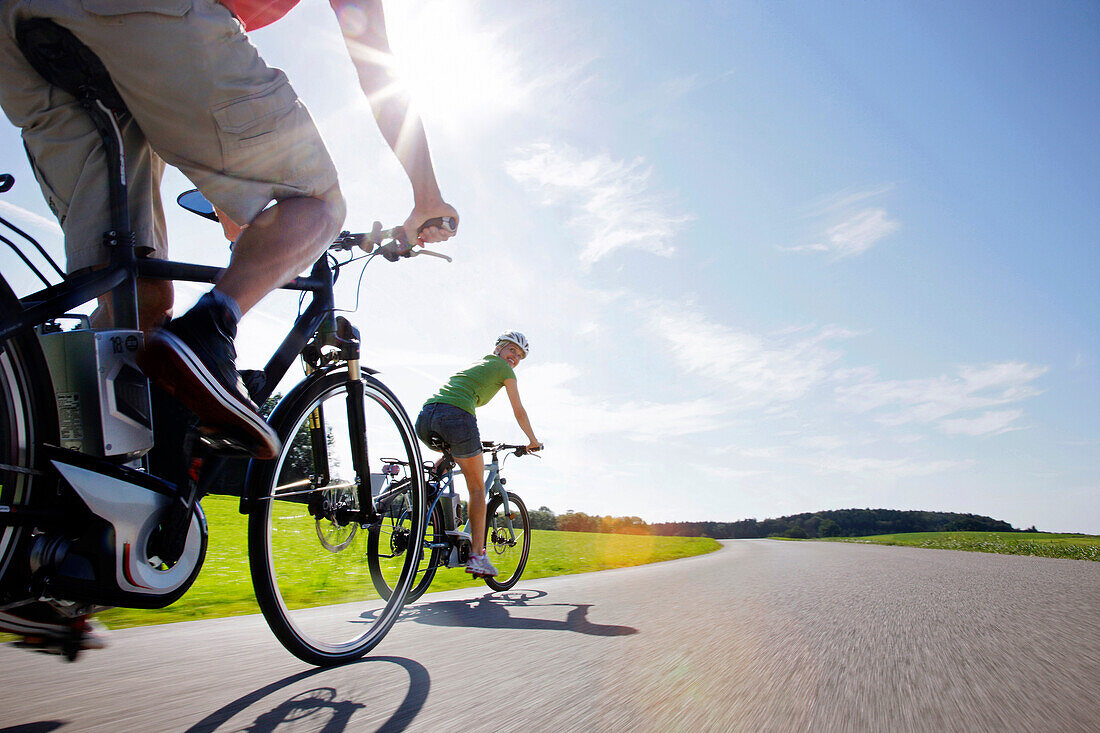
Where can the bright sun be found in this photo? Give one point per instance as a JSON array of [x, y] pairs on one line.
[[459, 72]]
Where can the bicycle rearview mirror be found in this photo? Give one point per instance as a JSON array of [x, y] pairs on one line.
[[196, 203]]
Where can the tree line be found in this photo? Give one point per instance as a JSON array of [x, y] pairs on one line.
[[831, 523]]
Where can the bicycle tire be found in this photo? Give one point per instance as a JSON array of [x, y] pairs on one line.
[[28, 420], [319, 601], [391, 531], [508, 555]]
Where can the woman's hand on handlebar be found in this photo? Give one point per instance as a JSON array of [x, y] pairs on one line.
[[423, 213], [533, 446]]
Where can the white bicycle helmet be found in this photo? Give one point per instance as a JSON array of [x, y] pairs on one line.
[[517, 338]]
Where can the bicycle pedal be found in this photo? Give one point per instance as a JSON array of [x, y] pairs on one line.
[[68, 648]]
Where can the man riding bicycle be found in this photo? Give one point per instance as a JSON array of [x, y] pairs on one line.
[[202, 99]]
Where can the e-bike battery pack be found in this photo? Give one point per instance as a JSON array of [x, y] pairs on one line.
[[103, 403]]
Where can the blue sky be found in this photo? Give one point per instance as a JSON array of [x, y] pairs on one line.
[[772, 257]]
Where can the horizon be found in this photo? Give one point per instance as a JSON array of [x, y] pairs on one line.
[[768, 256], [810, 513]]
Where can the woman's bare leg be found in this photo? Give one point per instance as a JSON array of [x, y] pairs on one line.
[[473, 470]]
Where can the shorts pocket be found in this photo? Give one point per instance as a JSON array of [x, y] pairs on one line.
[[254, 120], [58, 205], [174, 8]]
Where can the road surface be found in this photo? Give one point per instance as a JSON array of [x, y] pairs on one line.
[[760, 636]]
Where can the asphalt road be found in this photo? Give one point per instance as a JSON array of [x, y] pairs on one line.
[[760, 636]]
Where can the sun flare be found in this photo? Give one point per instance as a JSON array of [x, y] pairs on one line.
[[460, 73]]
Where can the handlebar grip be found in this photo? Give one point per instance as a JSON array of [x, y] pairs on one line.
[[447, 223]]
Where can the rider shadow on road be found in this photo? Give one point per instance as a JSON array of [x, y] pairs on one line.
[[491, 611], [331, 709]]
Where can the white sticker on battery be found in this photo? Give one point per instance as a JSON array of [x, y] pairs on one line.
[[70, 416]]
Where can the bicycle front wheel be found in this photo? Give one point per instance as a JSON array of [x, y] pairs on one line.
[[307, 552], [507, 540]]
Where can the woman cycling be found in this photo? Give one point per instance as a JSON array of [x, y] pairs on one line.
[[449, 413]]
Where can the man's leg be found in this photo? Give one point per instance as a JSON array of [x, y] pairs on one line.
[[279, 244], [208, 105], [155, 300]]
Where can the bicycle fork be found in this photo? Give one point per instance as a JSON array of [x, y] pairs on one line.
[[357, 426]]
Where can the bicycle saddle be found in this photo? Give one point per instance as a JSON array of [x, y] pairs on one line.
[[64, 61], [436, 443]]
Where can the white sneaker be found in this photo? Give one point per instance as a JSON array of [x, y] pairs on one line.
[[480, 567]]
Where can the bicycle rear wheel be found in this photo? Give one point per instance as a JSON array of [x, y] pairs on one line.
[[507, 550], [28, 419], [309, 568], [388, 544]]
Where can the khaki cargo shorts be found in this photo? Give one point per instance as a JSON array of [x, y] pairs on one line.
[[202, 100]]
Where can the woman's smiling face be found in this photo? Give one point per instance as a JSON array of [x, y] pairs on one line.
[[511, 354]]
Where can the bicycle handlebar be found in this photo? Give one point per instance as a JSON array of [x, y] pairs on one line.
[[520, 450], [392, 244]]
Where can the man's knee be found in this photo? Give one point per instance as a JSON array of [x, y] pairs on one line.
[[336, 209]]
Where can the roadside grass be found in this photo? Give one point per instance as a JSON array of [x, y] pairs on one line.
[[1039, 544], [224, 586]]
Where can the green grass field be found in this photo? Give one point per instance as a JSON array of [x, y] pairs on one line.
[[224, 587], [1072, 546]]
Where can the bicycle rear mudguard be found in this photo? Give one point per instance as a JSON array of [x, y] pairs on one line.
[[105, 554]]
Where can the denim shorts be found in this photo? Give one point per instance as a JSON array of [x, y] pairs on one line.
[[456, 426]]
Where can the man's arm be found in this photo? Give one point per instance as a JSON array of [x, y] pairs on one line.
[[363, 25], [512, 387]]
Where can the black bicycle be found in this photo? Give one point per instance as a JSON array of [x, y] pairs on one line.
[[86, 521], [446, 540]]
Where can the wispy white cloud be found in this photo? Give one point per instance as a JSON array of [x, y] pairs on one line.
[[568, 412], [845, 201], [933, 399], [832, 455], [755, 370], [993, 422], [19, 215], [851, 227], [853, 236], [881, 468], [678, 87], [615, 204]]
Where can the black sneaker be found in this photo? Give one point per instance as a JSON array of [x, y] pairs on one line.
[[193, 359]]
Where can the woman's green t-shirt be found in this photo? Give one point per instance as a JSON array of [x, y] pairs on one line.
[[473, 387]]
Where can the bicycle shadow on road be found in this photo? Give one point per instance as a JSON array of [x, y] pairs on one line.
[[491, 611], [334, 711]]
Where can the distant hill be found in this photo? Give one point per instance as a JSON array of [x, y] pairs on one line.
[[837, 523], [833, 523]]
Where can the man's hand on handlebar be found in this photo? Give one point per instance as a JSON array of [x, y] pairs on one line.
[[426, 234]]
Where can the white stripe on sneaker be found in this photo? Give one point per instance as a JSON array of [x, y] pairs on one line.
[[225, 398]]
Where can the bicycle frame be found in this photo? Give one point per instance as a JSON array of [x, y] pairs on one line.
[[56, 300], [494, 486]]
